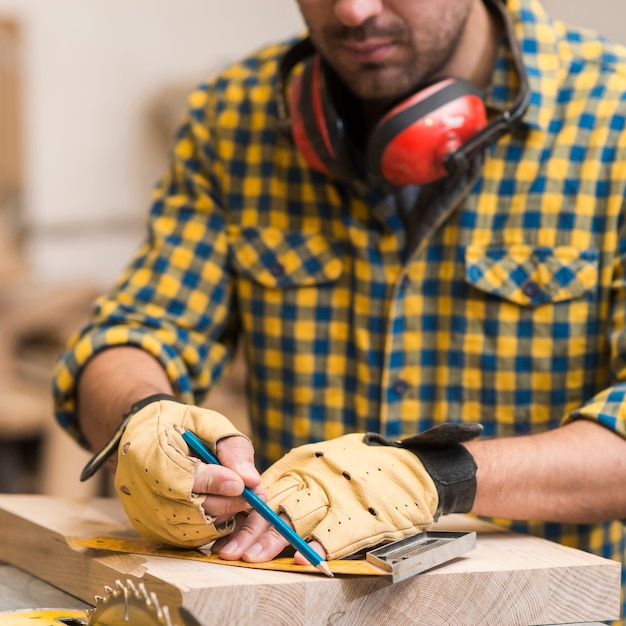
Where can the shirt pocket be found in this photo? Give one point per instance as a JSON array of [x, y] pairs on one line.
[[532, 275], [277, 259]]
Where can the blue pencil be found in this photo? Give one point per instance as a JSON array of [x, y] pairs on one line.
[[258, 505]]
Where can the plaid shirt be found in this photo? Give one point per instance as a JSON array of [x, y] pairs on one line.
[[509, 309]]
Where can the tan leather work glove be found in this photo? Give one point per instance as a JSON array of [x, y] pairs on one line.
[[358, 491], [155, 473]]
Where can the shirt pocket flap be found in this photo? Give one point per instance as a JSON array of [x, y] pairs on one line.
[[279, 259], [531, 276]]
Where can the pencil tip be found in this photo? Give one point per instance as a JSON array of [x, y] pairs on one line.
[[322, 566], [178, 429]]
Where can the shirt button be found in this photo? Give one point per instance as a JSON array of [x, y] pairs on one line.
[[404, 284], [531, 289], [277, 269], [400, 387]]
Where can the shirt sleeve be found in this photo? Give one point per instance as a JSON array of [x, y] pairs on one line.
[[175, 298], [608, 407]]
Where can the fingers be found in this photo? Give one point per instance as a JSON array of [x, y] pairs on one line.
[[236, 471], [222, 508], [217, 480], [223, 489], [237, 454], [255, 541], [223, 484]]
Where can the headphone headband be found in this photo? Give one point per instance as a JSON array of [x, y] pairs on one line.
[[295, 55]]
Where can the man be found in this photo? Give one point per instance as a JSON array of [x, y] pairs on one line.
[[491, 292]]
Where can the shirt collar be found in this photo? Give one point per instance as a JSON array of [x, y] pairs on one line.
[[539, 47]]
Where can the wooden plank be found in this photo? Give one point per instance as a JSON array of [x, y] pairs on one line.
[[508, 580]]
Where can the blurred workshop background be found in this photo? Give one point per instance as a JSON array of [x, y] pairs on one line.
[[91, 92]]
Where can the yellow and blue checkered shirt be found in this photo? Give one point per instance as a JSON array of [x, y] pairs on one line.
[[509, 309]]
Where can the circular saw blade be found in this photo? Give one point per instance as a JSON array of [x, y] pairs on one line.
[[128, 603]]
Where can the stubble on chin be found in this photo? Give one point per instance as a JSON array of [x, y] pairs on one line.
[[376, 82]]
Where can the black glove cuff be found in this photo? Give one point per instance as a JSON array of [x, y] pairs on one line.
[[453, 471], [450, 464], [100, 457]]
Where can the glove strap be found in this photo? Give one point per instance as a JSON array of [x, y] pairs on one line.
[[450, 464], [453, 471], [111, 446]]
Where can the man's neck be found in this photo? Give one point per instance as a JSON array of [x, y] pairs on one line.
[[476, 54]]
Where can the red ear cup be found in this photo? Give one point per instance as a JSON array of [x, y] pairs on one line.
[[410, 143]]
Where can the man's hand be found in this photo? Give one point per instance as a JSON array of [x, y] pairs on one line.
[[171, 497], [343, 494], [358, 491]]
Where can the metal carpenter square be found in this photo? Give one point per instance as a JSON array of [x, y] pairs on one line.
[[418, 553]]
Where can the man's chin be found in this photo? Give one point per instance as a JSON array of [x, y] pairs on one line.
[[373, 81]]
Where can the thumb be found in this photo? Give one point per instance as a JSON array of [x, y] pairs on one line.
[[237, 454]]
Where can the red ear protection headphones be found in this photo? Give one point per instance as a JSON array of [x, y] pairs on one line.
[[435, 132]]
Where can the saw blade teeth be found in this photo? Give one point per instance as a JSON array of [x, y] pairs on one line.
[[154, 601], [121, 588], [131, 585], [125, 602], [145, 594]]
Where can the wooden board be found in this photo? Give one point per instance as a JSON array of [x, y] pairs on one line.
[[508, 580]]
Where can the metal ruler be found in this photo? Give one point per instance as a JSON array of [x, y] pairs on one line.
[[412, 555]]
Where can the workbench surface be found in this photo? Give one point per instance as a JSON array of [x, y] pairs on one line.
[[20, 590], [509, 580]]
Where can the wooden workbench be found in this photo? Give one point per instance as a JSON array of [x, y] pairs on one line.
[[20, 590], [508, 580]]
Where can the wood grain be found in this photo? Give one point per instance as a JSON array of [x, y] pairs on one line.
[[508, 580]]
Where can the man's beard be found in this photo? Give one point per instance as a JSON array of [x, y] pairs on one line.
[[386, 81]]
